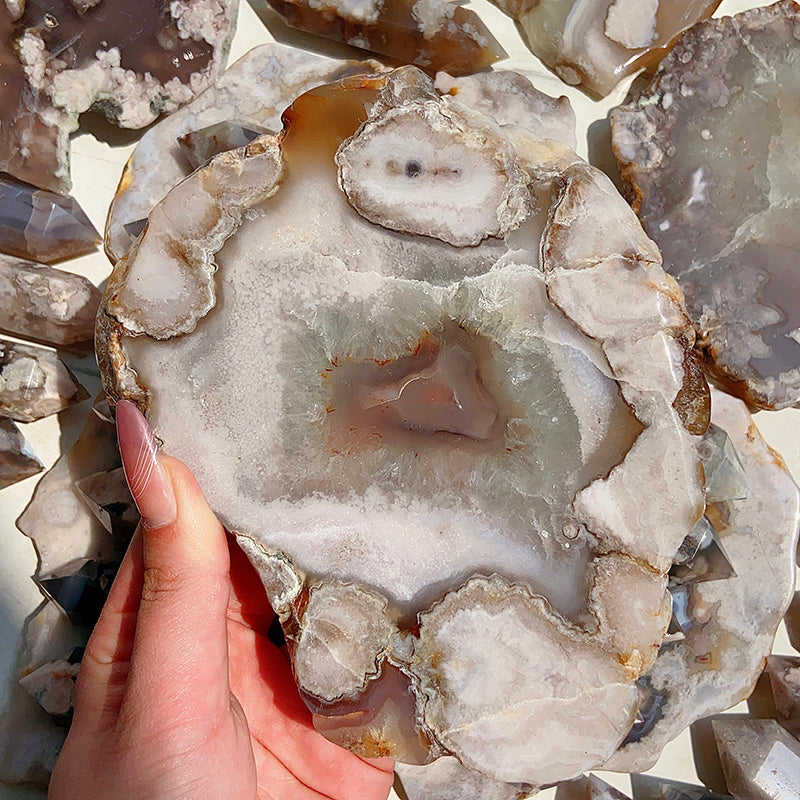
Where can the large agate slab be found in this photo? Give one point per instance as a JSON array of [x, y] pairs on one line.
[[594, 44], [130, 61], [429, 370], [709, 152]]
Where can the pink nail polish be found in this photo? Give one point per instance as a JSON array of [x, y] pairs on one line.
[[149, 482]]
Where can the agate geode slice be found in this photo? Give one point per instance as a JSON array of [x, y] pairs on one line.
[[709, 150], [429, 370]]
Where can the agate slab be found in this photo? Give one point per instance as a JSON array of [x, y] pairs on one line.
[[594, 44], [131, 62], [720, 194], [466, 339]]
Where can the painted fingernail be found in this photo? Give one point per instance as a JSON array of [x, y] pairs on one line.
[[147, 479]]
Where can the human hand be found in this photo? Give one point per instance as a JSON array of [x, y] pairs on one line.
[[180, 694]]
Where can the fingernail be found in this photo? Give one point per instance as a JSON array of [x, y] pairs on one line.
[[147, 479]]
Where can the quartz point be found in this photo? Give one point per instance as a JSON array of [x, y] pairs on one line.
[[200, 145], [502, 292], [700, 557], [81, 595], [45, 303], [130, 62], [594, 44], [108, 496], [650, 787], [34, 382], [588, 787], [42, 226], [760, 759], [17, 460], [432, 34], [728, 626], [64, 530], [726, 226], [783, 674], [725, 476]]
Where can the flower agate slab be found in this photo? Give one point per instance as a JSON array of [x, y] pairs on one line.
[[432, 34], [130, 61], [720, 194], [428, 400], [594, 44]]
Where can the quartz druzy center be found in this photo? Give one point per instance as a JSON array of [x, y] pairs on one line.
[[432, 358]]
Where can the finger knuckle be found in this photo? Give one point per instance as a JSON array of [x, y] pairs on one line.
[[161, 582]]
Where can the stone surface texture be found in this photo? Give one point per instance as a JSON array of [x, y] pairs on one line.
[[731, 623], [129, 61], [594, 44], [432, 34], [588, 787], [17, 460], [726, 226], [34, 382], [446, 779], [455, 337], [45, 303], [63, 528], [42, 225], [760, 759], [650, 787]]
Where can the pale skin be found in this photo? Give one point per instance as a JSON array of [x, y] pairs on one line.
[[181, 694]]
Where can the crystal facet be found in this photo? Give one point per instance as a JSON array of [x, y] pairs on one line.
[[725, 476], [649, 787], [82, 594], [478, 355], [433, 34], [109, 498], [760, 759], [727, 227], [41, 225], [45, 303], [34, 382], [700, 557], [783, 674], [130, 62], [596, 43], [200, 145], [588, 787], [17, 460]]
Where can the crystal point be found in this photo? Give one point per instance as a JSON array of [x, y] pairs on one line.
[[588, 787], [760, 759], [725, 475], [701, 557], [17, 460], [82, 594], [41, 225], [45, 303], [34, 382]]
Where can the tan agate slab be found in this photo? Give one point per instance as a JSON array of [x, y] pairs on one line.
[[448, 345]]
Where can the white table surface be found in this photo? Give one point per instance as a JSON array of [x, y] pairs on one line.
[[96, 167]]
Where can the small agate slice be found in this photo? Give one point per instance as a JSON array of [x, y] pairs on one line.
[[432, 34], [720, 194], [594, 44], [131, 61], [423, 363]]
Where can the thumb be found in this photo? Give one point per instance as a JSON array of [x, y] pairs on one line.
[[180, 658]]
